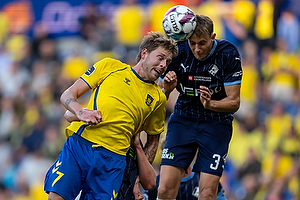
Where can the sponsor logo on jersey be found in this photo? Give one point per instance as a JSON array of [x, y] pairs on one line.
[[213, 69], [167, 155], [196, 91], [190, 91], [202, 78], [90, 71], [239, 73], [149, 100], [199, 78]]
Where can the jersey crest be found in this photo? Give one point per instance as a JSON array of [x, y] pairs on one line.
[[149, 100], [213, 69]]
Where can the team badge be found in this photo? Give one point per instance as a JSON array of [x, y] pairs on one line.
[[149, 100], [213, 69]]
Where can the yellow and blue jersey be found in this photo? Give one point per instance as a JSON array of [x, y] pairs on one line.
[[127, 104]]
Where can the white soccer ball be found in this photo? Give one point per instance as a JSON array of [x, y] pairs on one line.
[[179, 22]]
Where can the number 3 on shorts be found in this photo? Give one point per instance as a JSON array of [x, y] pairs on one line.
[[217, 158]]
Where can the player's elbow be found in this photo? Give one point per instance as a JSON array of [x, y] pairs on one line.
[[236, 105], [149, 183], [67, 117], [233, 104], [149, 186]]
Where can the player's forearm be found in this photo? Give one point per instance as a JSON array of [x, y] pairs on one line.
[[229, 104], [224, 105], [147, 175], [70, 102], [69, 97], [70, 117], [161, 85], [151, 146], [166, 91]]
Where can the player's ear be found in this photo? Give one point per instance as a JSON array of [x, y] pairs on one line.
[[143, 53], [213, 36]]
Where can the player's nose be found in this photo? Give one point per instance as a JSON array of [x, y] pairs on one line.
[[197, 48], [163, 63]]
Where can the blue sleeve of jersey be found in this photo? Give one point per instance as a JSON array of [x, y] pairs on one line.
[[233, 70]]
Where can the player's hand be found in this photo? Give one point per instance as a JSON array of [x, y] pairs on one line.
[[136, 141], [170, 81], [138, 195], [89, 116], [205, 96]]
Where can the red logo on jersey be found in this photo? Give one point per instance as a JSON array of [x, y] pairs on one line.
[[190, 78]]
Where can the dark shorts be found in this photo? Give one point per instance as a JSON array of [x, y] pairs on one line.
[[96, 171], [130, 175], [185, 135]]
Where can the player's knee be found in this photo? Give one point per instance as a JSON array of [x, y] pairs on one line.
[[161, 190], [207, 193], [165, 192]]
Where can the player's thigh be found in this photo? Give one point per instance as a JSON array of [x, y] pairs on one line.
[[213, 144], [181, 130], [65, 176], [105, 175], [180, 145]]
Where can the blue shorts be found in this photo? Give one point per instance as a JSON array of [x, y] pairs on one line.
[[185, 135], [96, 171]]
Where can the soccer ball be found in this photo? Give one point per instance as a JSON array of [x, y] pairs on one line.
[[179, 22]]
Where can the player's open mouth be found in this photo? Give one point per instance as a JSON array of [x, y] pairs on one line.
[[158, 71]]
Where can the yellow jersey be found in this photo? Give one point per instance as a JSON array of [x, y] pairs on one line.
[[127, 104]]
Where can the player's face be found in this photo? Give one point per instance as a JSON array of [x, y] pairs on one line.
[[201, 46], [155, 63]]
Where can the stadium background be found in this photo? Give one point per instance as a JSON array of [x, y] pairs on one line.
[[45, 45]]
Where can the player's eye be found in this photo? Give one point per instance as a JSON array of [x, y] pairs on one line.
[[160, 58], [168, 61]]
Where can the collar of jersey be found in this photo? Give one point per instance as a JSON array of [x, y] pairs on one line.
[[212, 51], [152, 82]]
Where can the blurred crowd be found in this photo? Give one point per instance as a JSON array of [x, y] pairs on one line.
[[263, 162]]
